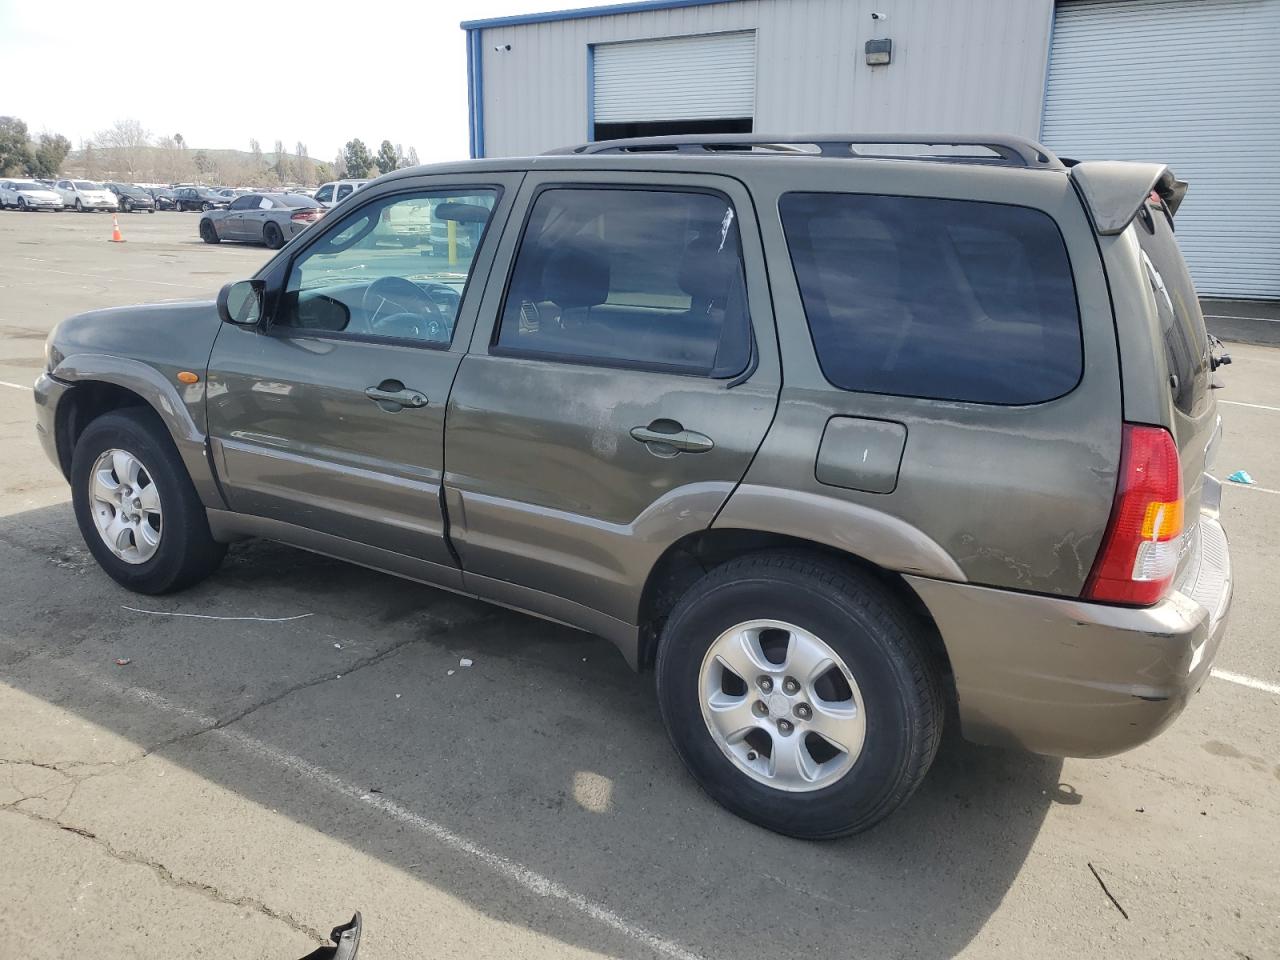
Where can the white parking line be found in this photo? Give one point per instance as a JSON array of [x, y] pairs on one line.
[[1266, 686], [1255, 406], [1226, 316], [83, 275], [1249, 486], [517, 873], [15, 386]]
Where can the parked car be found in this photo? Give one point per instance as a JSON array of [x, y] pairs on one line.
[[840, 447], [198, 198], [335, 191], [28, 195], [82, 195], [165, 198], [269, 218], [131, 198]]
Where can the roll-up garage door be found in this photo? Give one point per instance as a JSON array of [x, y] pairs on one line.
[[680, 78], [1191, 83]]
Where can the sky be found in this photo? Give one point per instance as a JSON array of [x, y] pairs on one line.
[[322, 73]]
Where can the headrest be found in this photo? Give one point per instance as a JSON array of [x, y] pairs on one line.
[[707, 270], [576, 276]]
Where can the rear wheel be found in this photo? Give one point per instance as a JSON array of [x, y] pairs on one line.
[[206, 206], [272, 236], [798, 694], [136, 507], [207, 232]]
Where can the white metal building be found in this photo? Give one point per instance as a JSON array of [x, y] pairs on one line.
[[1194, 83]]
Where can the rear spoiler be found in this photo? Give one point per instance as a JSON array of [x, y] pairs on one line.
[[1113, 191]]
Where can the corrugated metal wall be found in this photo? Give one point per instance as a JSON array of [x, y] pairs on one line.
[[1191, 83], [976, 65]]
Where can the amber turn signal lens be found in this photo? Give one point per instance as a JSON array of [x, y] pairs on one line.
[[186, 376]]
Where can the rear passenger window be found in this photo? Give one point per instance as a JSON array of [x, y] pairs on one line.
[[630, 278], [941, 299], [1181, 320]]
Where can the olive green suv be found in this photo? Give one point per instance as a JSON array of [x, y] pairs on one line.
[[843, 437]]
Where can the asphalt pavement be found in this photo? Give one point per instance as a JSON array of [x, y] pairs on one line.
[[230, 771]]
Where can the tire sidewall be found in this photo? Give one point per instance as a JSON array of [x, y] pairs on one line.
[[136, 434], [272, 236], [882, 677]]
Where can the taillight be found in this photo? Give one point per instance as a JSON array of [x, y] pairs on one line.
[[306, 216], [1139, 553]]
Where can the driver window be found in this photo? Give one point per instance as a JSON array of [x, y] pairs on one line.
[[394, 268]]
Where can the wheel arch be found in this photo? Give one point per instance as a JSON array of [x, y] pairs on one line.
[[101, 384], [696, 554]]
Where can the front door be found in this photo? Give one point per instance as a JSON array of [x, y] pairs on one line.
[[331, 415], [619, 383]]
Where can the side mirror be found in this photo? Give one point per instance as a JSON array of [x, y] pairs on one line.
[[241, 302]]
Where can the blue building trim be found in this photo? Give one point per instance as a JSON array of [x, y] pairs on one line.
[[1048, 57], [475, 92], [591, 92], [640, 6]]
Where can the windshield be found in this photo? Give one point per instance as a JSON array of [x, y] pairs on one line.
[[87, 185], [30, 187]]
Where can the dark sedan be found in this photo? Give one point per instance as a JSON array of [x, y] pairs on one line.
[[198, 198], [164, 198], [270, 218], [132, 198]]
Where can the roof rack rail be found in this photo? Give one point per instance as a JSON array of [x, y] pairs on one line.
[[1004, 149]]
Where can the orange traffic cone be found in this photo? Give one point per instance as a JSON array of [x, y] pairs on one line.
[[115, 229]]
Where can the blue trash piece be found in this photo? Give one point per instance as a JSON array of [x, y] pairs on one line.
[[1241, 476]]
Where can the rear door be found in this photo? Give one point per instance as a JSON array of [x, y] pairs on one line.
[[331, 418], [622, 375]]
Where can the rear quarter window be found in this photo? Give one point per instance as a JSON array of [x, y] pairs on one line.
[[939, 299], [1181, 320]]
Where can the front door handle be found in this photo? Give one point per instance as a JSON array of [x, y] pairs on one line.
[[666, 438], [391, 395]]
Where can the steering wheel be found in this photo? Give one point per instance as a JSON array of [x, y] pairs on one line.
[[396, 307]]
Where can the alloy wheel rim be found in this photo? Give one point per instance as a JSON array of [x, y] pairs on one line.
[[782, 705], [125, 504]]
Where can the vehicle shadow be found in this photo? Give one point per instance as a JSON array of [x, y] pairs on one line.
[[547, 752]]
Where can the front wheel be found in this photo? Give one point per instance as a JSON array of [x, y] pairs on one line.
[[79, 206], [208, 233], [22, 204], [128, 206], [206, 206], [136, 507], [797, 691]]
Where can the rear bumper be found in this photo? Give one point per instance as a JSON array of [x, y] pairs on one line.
[[1070, 678]]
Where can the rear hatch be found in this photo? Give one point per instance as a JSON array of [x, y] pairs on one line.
[[1185, 345]]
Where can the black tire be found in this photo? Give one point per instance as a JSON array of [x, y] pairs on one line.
[[152, 210], [22, 204], [207, 232], [272, 236], [875, 635], [206, 206], [128, 206], [79, 206], [187, 552]]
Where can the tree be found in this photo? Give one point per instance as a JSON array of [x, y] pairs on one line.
[[181, 143], [129, 145], [202, 162], [323, 172], [15, 146], [303, 166], [283, 169], [355, 156], [386, 158], [89, 159], [413, 156], [172, 163], [49, 154], [255, 156]]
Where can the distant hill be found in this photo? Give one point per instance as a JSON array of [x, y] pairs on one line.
[[190, 164]]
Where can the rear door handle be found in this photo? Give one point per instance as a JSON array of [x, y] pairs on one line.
[[666, 438], [391, 395]]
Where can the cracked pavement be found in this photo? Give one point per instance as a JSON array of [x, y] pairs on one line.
[[240, 786]]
